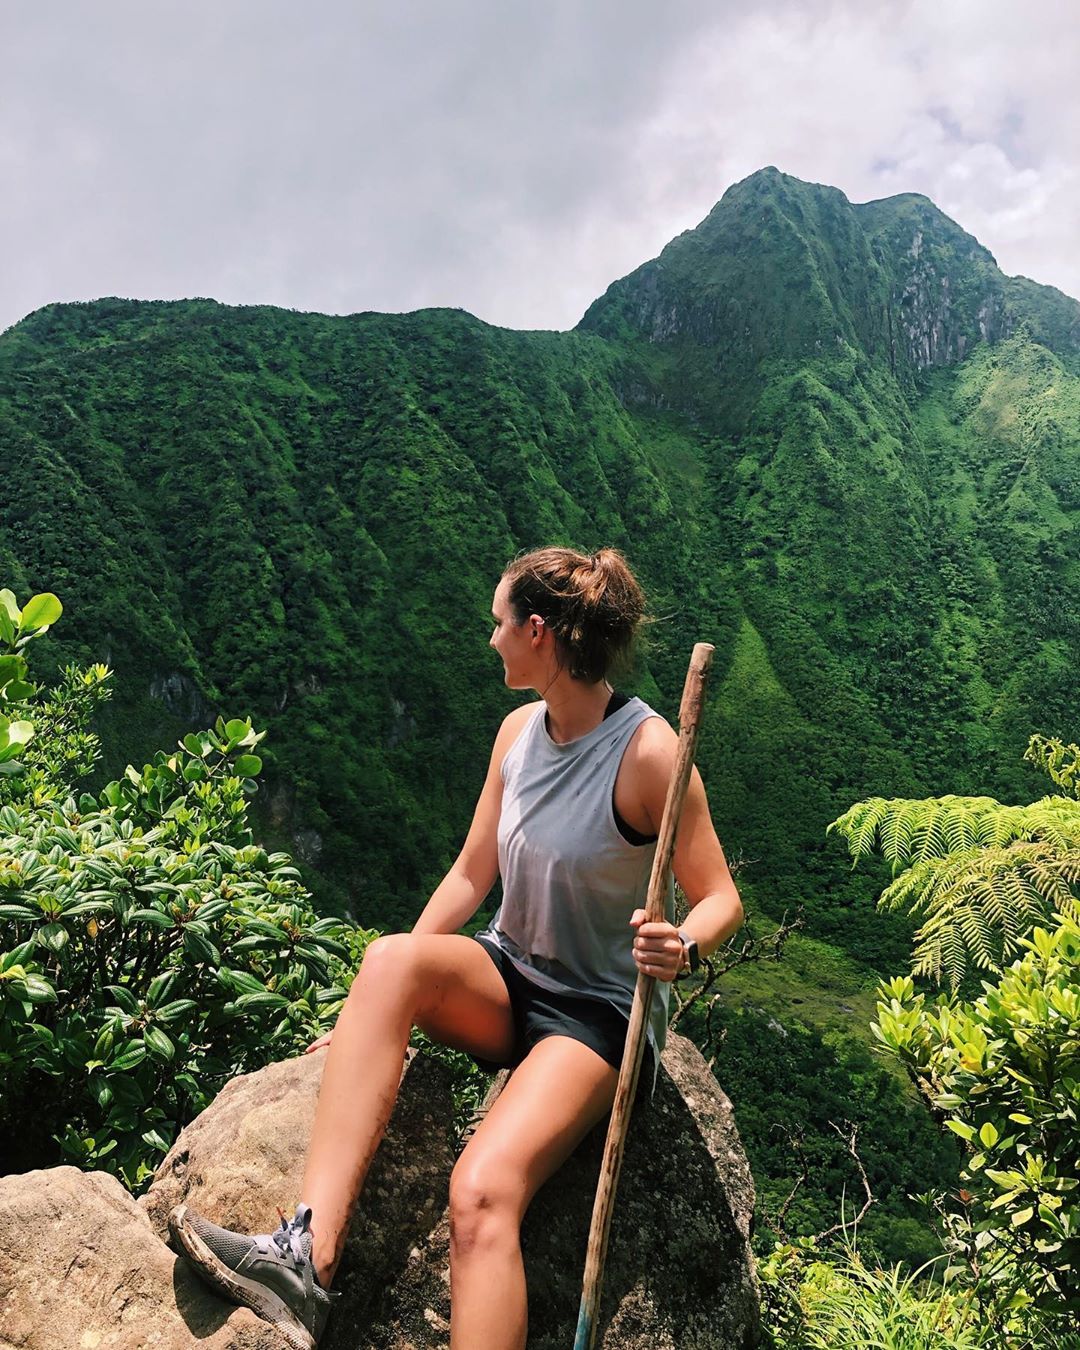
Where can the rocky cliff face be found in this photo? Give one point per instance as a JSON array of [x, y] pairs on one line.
[[945, 292]]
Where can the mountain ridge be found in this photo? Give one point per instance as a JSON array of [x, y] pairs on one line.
[[755, 458]]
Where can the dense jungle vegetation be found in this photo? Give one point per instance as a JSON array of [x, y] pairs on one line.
[[833, 439]]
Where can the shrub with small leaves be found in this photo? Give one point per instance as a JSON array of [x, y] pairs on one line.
[[1004, 1073]]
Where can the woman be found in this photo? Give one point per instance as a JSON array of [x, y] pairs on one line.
[[568, 815]]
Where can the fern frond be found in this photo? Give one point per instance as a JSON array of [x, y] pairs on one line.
[[981, 905], [1060, 761], [905, 831], [978, 874], [859, 826]]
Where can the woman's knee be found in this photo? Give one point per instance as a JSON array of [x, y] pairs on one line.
[[485, 1204], [390, 964]]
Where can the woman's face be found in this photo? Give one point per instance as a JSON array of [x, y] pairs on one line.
[[513, 641]]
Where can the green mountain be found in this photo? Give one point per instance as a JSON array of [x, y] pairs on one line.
[[834, 439]]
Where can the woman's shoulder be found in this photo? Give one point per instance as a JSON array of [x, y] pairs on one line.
[[516, 720], [653, 744], [513, 724]]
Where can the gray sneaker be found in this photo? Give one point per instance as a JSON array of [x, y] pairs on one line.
[[272, 1274]]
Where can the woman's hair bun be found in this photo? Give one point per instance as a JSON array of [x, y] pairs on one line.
[[592, 604]]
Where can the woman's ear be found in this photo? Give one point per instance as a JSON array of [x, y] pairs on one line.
[[537, 625]]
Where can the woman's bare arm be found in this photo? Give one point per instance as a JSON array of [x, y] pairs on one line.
[[461, 892], [699, 863]]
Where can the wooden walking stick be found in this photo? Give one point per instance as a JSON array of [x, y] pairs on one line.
[[604, 1205]]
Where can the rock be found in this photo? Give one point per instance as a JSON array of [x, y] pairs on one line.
[[244, 1157], [83, 1266], [81, 1269], [183, 697], [679, 1272]]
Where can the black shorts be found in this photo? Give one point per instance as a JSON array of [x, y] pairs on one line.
[[539, 1013]]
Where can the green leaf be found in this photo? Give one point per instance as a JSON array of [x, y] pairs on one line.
[[124, 998], [154, 917], [11, 668], [41, 610], [247, 766], [241, 981], [10, 606], [18, 913], [130, 1058], [18, 733], [168, 1012], [54, 936], [199, 949], [38, 989], [988, 1135], [1021, 1216], [266, 999], [236, 730], [160, 986], [158, 1043]]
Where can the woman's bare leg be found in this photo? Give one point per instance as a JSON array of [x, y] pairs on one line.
[[558, 1093], [450, 986]]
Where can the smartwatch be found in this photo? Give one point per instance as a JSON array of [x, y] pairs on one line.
[[690, 951]]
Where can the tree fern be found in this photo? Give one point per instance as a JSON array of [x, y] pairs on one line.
[[979, 874], [904, 831], [1061, 762]]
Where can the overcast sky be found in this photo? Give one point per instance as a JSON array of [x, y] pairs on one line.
[[511, 157]]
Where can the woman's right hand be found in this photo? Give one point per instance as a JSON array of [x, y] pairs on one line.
[[318, 1045]]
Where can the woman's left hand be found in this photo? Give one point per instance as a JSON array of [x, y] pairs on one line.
[[658, 949]]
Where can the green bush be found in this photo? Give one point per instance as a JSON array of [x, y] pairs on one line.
[[1004, 1072], [149, 949], [995, 888]]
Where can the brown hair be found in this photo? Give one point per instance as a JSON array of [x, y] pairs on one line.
[[593, 605]]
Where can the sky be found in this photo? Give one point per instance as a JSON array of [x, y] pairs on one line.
[[508, 157]]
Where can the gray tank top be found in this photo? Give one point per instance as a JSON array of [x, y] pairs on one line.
[[570, 879]]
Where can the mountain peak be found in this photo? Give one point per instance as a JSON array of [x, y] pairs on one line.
[[785, 269]]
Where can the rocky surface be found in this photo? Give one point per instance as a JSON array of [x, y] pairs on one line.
[[244, 1157], [679, 1274], [81, 1269], [83, 1266]]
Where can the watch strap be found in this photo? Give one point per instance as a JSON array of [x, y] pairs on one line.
[[690, 951]]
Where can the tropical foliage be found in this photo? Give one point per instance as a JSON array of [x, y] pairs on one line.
[[149, 949], [978, 875], [1001, 1070]]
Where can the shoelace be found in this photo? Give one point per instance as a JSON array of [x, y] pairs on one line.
[[287, 1238]]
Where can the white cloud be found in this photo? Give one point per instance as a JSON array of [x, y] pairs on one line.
[[511, 160]]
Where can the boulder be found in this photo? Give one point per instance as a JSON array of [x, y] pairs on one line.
[[244, 1157], [81, 1269], [83, 1266], [679, 1272]]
